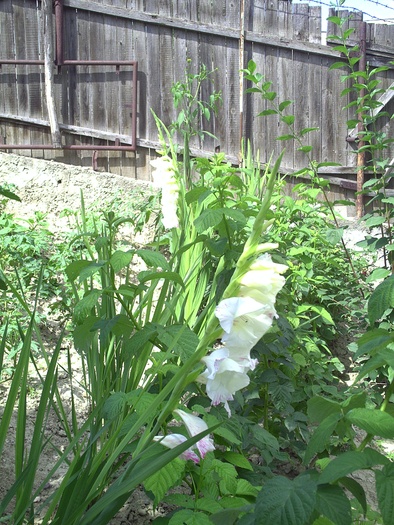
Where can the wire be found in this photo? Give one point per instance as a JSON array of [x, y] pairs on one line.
[[375, 2]]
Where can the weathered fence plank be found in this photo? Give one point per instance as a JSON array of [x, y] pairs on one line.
[[167, 37]]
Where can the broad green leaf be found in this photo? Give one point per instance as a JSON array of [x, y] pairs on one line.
[[319, 408], [74, 269], [3, 283], [373, 421], [334, 235], [377, 274], [239, 460], [9, 194], [227, 476], [381, 299], [286, 502], [332, 502], [245, 488], [288, 119], [84, 307], [354, 401], [322, 520], [373, 341], [385, 492], [321, 436], [189, 517], [283, 105], [153, 259], [357, 490], [285, 137], [230, 516], [375, 221], [349, 462], [114, 405], [305, 149], [120, 260], [145, 277], [338, 65], [166, 478], [267, 112], [196, 193], [83, 334], [208, 219], [180, 340]]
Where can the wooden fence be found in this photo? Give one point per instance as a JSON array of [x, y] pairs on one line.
[[166, 37]]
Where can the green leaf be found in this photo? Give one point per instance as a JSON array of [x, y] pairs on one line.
[[120, 260], [230, 516], [377, 274], [114, 405], [83, 334], [305, 149], [74, 269], [288, 119], [381, 299], [373, 421], [245, 488], [9, 194], [147, 276], [167, 477], [84, 308], [180, 340], [212, 217], [319, 408], [285, 137], [321, 436], [283, 105], [153, 259], [385, 492], [338, 65], [349, 462], [375, 221], [334, 235], [239, 460], [267, 112], [332, 502], [286, 502], [189, 517], [373, 341], [357, 490]]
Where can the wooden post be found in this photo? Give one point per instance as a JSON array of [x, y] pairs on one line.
[[46, 9]]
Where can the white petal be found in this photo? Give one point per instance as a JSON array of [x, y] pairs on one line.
[[212, 362], [195, 425], [229, 378], [172, 441]]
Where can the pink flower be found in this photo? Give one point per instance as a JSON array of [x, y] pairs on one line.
[[194, 426]]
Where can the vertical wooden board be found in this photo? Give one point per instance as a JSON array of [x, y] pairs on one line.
[[272, 145], [271, 22], [301, 22], [257, 125], [335, 119], [315, 106], [138, 42], [166, 66], [233, 145], [285, 89], [8, 101], [327, 124], [83, 75], [284, 19], [98, 51], [302, 109], [153, 75], [233, 13], [205, 11], [152, 6], [207, 89], [68, 75], [34, 39], [220, 83], [315, 25], [19, 11]]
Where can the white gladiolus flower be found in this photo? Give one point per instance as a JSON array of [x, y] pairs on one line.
[[224, 377], [194, 426], [244, 321], [164, 177]]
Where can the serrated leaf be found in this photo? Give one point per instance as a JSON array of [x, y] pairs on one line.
[[164, 479], [321, 436], [385, 492], [83, 334], [349, 462], [120, 260], [319, 408], [245, 488], [194, 194], [153, 259], [227, 475], [180, 340], [237, 460], [189, 517], [74, 269], [373, 421], [230, 516], [147, 276], [286, 502], [374, 221], [334, 235], [332, 502], [381, 299], [114, 405], [84, 307]]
